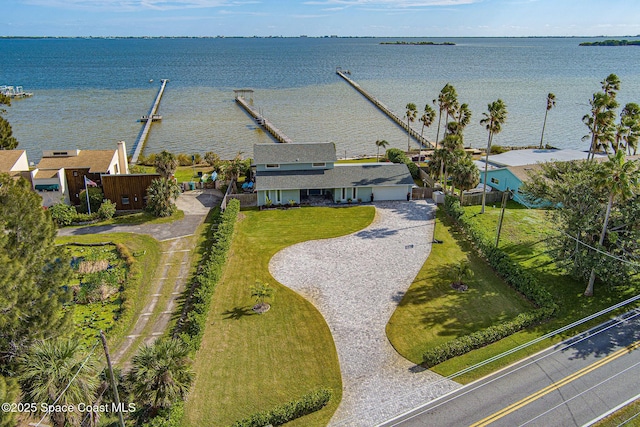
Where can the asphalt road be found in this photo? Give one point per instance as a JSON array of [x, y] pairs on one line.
[[569, 384]]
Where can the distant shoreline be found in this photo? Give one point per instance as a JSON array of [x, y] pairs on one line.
[[405, 43], [612, 43]]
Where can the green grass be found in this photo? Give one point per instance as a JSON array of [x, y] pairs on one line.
[[624, 415], [248, 362], [136, 290], [432, 313], [183, 173], [362, 160], [523, 237]]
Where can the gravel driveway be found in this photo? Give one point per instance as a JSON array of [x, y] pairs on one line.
[[356, 282]]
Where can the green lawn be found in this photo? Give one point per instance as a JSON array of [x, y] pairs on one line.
[[183, 173], [523, 237], [432, 313], [251, 362], [628, 416]]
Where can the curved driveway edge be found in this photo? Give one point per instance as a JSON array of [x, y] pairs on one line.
[[356, 282]]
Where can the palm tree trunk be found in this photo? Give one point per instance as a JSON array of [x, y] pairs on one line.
[[544, 124], [592, 277], [438, 133]]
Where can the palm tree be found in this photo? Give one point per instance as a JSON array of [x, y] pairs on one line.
[[260, 291], [166, 164], [428, 116], [161, 373], [380, 143], [493, 121], [628, 131], [59, 371], [459, 272], [465, 174], [447, 99], [621, 178], [411, 114], [551, 102], [161, 195]]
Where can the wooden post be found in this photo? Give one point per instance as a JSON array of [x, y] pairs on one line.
[[112, 378]]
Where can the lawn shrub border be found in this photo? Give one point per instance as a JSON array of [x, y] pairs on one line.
[[518, 278], [307, 404], [190, 326]]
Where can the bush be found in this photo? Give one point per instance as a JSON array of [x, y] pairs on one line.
[[184, 160], [310, 402], [79, 218], [107, 210], [452, 207], [62, 214], [396, 155], [498, 149], [95, 198], [413, 168]]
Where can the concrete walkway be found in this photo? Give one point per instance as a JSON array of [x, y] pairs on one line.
[[356, 282]]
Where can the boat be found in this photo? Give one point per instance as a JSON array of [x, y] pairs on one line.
[[14, 92]]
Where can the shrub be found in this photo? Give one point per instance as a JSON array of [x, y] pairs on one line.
[[498, 149], [62, 214], [452, 207], [310, 402], [80, 218], [413, 168], [95, 199], [396, 155], [184, 160], [107, 210]]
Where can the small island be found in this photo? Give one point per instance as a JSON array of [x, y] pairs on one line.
[[612, 43], [405, 43]]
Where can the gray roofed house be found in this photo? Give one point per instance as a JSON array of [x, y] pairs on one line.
[[299, 172]]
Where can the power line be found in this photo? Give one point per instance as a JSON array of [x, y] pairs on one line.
[[602, 252]]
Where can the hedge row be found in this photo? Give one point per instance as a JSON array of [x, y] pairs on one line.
[[196, 307], [514, 275], [396, 155], [310, 402]]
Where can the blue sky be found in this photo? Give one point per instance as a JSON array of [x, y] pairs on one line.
[[393, 18]]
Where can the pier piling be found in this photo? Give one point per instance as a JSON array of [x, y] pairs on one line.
[[277, 134], [142, 139], [424, 143]]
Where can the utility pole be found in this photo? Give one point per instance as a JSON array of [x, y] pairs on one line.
[[112, 378], [505, 197]]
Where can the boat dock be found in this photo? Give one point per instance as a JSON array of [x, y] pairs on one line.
[[424, 143], [139, 145], [14, 92], [259, 118]]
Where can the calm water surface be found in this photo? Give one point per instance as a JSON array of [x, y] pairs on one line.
[[89, 93]]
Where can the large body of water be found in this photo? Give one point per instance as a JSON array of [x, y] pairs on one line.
[[89, 93]]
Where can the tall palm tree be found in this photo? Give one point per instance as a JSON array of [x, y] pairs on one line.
[[446, 101], [551, 102], [411, 114], [601, 122], [381, 143], [621, 178], [161, 373], [161, 195], [493, 121], [427, 118], [49, 367]]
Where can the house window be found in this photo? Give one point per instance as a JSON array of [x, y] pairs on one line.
[[116, 169], [272, 166], [354, 193], [344, 193], [125, 200], [495, 181], [319, 165]]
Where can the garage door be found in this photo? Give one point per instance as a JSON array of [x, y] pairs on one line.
[[390, 193]]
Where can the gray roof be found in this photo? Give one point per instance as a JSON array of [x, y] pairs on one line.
[[343, 175], [294, 152]]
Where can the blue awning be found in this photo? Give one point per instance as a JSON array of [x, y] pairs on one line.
[[47, 187]]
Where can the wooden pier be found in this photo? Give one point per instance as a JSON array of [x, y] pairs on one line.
[[139, 145], [424, 143], [277, 134]]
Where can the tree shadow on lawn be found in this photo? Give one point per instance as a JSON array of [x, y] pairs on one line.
[[237, 313]]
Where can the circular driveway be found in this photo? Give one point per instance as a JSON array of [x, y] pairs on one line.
[[356, 282]]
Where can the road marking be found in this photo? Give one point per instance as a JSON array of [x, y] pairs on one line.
[[555, 386]]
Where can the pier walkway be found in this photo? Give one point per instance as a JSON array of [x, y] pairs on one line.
[[424, 143], [259, 118], [139, 145]]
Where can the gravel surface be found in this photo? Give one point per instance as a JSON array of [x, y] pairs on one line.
[[356, 282]]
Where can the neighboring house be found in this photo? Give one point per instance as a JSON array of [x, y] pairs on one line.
[[63, 172], [15, 163], [510, 178], [300, 171]]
